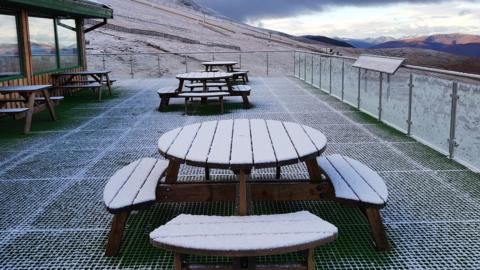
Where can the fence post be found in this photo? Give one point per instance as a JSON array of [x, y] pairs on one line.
[[103, 62], [330, 83], [294, 64], [186, 63], [320, 73], [305, 67], [410, 104], [359, 86], [380, 94], [452, 143], [240, 60], [213, 56], [267, 63], [311, 79], [343, 78], [131, 67]]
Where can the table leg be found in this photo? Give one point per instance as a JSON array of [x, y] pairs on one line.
[[28, 118], [242, 193], [314, 170], [109, 84], [50, 107], [172, 172], [205, 89], [180, 85]]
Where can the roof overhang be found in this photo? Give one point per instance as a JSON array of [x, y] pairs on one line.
[[63, 8]]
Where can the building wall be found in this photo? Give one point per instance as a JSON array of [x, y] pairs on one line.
[[44, 78]]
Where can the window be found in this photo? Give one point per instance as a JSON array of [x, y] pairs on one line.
[[54, 44], [67, 43], [42, 44], [10, 64]]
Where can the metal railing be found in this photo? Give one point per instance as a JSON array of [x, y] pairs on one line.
[[147, 65], [439, 108]]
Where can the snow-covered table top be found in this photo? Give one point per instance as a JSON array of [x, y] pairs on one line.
[[242, 144], [220, 63], [245, 235], [203, 76]]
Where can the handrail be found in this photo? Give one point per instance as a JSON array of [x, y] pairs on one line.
[[208, 52], [414, 67]]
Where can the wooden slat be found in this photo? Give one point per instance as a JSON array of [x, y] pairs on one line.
[[167, 139], [128, 192], [301, 141], [198, 153], [358, 185], [317, 137], [147, 191], [117, 181], [371, 177], [284, 149], [241, 144], [342, 189], [182, 143], [263, 153], [221, 145]]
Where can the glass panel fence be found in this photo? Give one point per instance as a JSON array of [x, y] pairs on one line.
[[316, 70], [369, 92], [395, 99], [468, 125], [325, 74], [308, 68], [431, 108], [351, 84], [337, 77]]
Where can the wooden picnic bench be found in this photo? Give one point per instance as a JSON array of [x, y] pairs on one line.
[[355, 184], [207, 80], [227, 64], [244, 238], [130, 188], [240, 74], [28, 94], [69, 81], [190, 95]]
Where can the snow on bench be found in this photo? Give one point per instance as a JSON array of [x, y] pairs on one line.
[[165, 93], [203, 95], [357, 184], [354, 181], [13, 110], [130, 188], [243, 236], [134, 185], [200, 85]]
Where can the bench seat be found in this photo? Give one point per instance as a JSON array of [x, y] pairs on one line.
[[130, 188], [203, 95], [356, 184], [13, 110], [165, 93], [74, 86], [243, 236], [54, 98], [240, 74], [209, 85]]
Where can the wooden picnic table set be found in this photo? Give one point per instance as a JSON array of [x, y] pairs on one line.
[[244, 145], [34, 96], [213, 83]]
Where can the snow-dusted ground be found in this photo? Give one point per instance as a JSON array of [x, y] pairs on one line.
[[51, 183]]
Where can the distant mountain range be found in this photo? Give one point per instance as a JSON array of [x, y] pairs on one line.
[[459, 44]]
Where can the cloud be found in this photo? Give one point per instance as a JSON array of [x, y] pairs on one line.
[[251, 10]]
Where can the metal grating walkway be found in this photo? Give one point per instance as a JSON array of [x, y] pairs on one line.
[[51, 184]]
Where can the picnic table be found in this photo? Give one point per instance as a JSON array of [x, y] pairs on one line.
[[204, 78], [241, 145], [99, 78], [227, 64], [29, 93]]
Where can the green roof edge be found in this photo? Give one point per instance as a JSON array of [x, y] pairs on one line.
[[78, 8]]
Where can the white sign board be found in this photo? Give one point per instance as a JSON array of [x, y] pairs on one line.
[[388, 65]]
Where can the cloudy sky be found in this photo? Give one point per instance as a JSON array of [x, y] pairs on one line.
[[355, 18]]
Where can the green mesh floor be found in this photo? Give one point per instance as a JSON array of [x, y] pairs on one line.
[[51, 183]]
